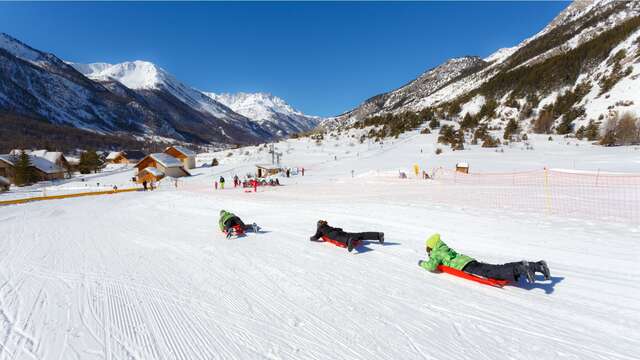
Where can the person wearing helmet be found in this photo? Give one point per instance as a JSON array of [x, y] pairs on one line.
[[440, 253], [228, 220], [349, 239]]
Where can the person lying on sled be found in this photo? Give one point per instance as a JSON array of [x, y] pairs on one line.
[[349, 239], [440, 253], [229, 220]]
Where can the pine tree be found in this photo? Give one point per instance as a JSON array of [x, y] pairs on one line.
[[25, 174], [89, 162], [511, 129], [592, 131]]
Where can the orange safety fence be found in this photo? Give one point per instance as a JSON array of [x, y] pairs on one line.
[[64, 196], [590, 195]]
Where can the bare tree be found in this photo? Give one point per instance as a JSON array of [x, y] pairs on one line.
[[626, 129]]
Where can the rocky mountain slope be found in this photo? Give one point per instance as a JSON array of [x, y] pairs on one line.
[[138, 100], [582, 66], [270, 111]]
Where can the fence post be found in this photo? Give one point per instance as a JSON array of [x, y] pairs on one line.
[[547, 191]]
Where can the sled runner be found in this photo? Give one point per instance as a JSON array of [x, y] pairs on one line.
[[338, 243], [464, 275], [236, 230]]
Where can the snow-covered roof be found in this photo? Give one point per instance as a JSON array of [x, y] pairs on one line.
[[462, 165], [166, 160], [183, 150], [39, 163], [153, 171], [52, 156], [269, 166], [113, 155]]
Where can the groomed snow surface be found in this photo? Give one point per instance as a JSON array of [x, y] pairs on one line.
[[148, 275]]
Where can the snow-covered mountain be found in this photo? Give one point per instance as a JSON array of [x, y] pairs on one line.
[[159, 88], [591, 42], [269, 111], [132, 98]]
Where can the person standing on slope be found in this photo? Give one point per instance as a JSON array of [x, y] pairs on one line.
[[440, 253], [228, 220], [349, 239], [221, 183]]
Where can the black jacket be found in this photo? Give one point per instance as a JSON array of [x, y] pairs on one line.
[[330, 232]]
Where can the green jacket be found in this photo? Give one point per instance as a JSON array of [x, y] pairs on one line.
[[223, 219], [442, 254]]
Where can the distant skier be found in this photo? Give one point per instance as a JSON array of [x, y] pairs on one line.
[[440, 253], [221, 183], [228, 220], [349, 239], [236, 181]]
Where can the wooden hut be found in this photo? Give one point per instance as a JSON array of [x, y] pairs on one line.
[[186, 156], [117, 157], [150, 175], [267, 170], [125, 157], [43, 169], [462, 167], [165, 163]]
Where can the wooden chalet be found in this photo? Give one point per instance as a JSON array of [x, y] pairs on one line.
[[188, 157]]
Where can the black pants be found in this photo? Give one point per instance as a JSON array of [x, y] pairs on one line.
[[506, 271], [233, 222], [344, 236]]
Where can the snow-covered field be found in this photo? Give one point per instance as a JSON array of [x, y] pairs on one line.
[[148, 275]]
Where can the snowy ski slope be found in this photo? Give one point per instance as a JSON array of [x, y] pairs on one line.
[[149, 276]]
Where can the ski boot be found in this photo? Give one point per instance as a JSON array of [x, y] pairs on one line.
[[350, 245], [255, 228], [542, 267], [524, 269], [381, 238]]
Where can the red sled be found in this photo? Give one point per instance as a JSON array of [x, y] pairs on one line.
[[340, 244], [464, 275], [236, 230]]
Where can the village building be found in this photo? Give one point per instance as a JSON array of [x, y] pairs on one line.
[[188, 157], [267, 170], [462, 167], [125, 157], [116, 157], [164, 163], [150, 175], [55, 157], [43, 169]]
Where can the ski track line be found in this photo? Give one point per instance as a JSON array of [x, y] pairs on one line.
[[570, 344], [27, 322], [353, 321]]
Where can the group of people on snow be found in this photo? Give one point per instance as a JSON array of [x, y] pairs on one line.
[[438, 252]]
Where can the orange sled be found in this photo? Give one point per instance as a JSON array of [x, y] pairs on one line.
[[236, 230], [340, 244], [464, 275]]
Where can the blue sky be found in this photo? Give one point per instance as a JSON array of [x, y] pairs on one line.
[[323, 58]]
